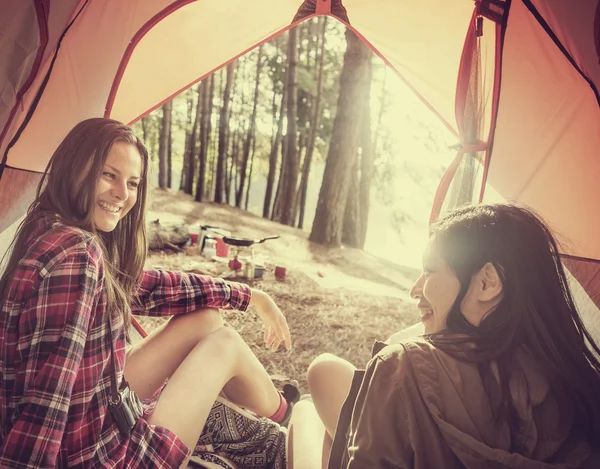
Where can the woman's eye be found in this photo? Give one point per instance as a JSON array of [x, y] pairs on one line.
[[108, 175], [134, 184]]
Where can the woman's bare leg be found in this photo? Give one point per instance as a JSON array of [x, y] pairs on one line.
[[156, 358], [308, 445], [329, 380], [186, 401]]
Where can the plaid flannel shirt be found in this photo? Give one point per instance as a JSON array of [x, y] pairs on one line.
[[55, 355]]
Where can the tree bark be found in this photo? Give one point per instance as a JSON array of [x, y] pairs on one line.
[[351, 225], [240, 130], [210, 153], [170, 158], [188, 135], [327, 225], [145, 132], [366, 168], [250, 172], [274, 155], [250, 133], [291, 182], [190, 151], [204, 89], [224, 136], [356, 217], [276, 215], [314, 126], [163, 143]]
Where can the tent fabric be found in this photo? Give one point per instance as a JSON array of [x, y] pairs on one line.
[[577, 29], [66, 60], [19, 45], [548, 157], [26, 32]]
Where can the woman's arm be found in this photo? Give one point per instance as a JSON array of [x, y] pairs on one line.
[[166, 293], [57, 318]]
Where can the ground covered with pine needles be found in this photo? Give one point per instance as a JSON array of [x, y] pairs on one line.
[[335, 300]]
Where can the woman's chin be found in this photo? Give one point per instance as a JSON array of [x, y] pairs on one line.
[[105, 227], [429, 325]]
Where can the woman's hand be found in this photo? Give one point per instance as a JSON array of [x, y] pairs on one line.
[[276, 327]]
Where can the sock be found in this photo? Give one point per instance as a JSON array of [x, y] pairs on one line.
[[281, 411]]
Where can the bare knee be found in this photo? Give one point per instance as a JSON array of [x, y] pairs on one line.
[[326, 370], [198, 323], [223, 340], [227, 347]]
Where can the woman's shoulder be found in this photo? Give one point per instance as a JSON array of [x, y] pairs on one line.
[[399, 351], [55, 241], [402, 357], [419, 356]]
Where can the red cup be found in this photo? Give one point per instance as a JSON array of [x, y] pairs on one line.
[[279, 272], [235, 264], [194, 237], [222, 248]]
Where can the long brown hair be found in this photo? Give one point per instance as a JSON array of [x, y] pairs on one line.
[[68, 189], [536, 313]]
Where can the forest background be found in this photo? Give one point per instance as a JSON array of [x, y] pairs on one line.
[[310, 130]]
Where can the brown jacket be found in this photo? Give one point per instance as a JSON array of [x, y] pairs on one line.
[[417, 407]]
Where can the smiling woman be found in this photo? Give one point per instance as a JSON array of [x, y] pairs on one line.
[[506, 374], [73, 280]]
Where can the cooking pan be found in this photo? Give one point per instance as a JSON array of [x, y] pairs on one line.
[[245, 242]]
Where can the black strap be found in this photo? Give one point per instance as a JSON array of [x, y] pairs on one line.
[[115, 396]]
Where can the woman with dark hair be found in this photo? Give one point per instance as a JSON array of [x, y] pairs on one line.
[[75, 276], [505, 375]]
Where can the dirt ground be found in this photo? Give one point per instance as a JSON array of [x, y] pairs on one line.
[[336, 300]]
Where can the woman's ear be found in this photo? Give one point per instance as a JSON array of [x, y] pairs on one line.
[[484, 294], [490, 284]]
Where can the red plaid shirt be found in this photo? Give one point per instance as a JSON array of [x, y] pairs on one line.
[[55, 356]]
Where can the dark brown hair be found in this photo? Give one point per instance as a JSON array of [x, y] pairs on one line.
[[68, 189], [536, 313]]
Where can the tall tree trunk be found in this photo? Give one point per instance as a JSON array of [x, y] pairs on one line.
[[275, 142], [236, 158], [188, 135], [250, 173], [357, 203], [289, 195], [240, 131], [163, 143], [277, 203], [351, 223], [210, 153], [366, 168], [170, 158], [145, 132], [250, 133], [327, 225], [273, 157], [314, 126], [224, 136], [204, 89], [190, 152]]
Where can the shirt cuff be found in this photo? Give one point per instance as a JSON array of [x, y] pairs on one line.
[[239, 297]]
